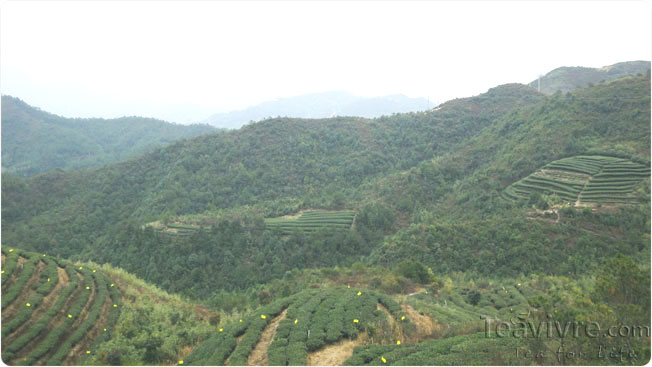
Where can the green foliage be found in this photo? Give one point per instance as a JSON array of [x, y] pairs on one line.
[[35, 141], [40, 326], [25, 272], [415, 270], [314, 318], [595, 179], [48, 280], [9, 265], [101, 292], [56, 336], [313, 220]]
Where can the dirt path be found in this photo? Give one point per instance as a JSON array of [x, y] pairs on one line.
[[258, 356], [48, 301], [336, 354], [86, 342], [25, 293]]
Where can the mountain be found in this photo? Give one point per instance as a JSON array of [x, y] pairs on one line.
[[320, 105], [452, 163], [566, 78], [456, 218], [34, 141]]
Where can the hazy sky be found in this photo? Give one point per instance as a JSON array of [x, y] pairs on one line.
[[183, 60]]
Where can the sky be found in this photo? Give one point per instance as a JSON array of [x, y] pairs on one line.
[[182, 61]]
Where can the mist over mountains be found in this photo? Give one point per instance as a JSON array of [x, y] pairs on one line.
[[320, 105]]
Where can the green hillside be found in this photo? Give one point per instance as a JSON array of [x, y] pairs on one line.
[[425, 186], [302, 324], [584, 179], [34, 141], [435, 216], [566, 79], [53, 311], [313, 220]]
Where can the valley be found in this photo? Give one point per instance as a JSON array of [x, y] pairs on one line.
[[393, 240]]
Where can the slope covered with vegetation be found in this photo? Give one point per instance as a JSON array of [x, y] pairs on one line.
[[34, 141], [55, 312], [443, 216], [566, 79], [583, 179]]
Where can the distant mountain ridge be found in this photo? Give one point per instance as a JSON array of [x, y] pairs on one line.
[[35, 141], [320, 105], [568, 78]]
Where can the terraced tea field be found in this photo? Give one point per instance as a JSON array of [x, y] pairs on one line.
[[53, 311], [293, 330], [584, 179], [313, 220]]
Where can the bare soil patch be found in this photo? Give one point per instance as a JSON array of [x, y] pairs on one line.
[[426, 327], [335, 354]]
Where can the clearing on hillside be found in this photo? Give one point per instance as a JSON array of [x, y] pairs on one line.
[[52, 311], [313, 220], [584, 179]]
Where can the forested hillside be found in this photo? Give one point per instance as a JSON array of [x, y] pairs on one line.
[[34, 141], [509, 202]]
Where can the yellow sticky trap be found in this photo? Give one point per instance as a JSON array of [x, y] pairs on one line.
[[263, 317], [43, 255], [398, 342], [111, 284], [221, 330], [87, 287], [88, 352], [355, 321], [104, 329], [296, 321], [48, 279], [28, 304], [180, 362], [81, 267], [348, 286], [69, 316], [359, 293], [383, 359], [93, 270], [114, 305], [519, 284], [240, 320], [2, 272], [11, 250], [402, 318]]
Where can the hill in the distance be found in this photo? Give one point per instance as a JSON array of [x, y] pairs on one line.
[[34, 141], [320, 105], [567, 78]]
